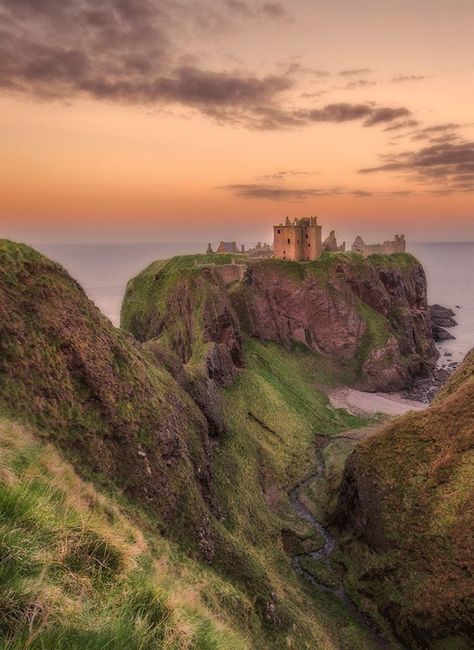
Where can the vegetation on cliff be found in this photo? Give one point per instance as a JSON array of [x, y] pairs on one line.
[[78, 573], [407, 502], [212, 511]]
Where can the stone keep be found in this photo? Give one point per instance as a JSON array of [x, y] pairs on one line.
[[297, 240]]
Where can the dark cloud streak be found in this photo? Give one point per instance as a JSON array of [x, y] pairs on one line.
[[448, 164]]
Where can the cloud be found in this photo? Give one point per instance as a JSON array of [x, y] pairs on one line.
[[430, 131], [381, 115], [359, 83], [266, 9], [120, 51], [125, 51], [355, 71], [276, 192], [408, 77], [346, 112], [279, 192], [281, 176], [404, 124], [273, 10], [448, 164]]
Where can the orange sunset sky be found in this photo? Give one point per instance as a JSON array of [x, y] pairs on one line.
[[146, 120]]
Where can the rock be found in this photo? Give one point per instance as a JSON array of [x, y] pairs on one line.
[[442, 316], [414, 562], [335, 305], [440, 334]]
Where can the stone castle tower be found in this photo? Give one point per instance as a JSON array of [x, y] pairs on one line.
[[297, 240]]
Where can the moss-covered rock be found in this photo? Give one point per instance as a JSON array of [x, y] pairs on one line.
[[407, 501], [68, 372]]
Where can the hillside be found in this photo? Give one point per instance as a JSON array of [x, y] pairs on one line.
[[207, 490], [406, 504], [78, 572]]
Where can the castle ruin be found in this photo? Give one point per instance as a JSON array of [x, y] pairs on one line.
[[300, 240], [398, 245], [297, 240], [330, 244]]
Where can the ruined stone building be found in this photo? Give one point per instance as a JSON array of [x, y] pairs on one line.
[[330, 244], [398, 245], [227, 247], [297, 240]]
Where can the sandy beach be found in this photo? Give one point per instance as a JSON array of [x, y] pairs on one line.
[[360, 403]]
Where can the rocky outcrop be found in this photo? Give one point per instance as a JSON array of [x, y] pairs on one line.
[[371, 314], [441, 318], [183, 311], [407, 495]]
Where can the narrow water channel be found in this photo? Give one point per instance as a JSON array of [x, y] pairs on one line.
[[323, 554]]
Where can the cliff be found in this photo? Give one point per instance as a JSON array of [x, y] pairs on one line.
[[65, 370], [369, 315], [407, 496], [196, 496]]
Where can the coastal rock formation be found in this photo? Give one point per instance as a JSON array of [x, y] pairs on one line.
[[419, 569], [441, 318], [184, 309], [370, 315]]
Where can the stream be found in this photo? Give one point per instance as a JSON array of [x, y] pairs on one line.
[[324, 553]]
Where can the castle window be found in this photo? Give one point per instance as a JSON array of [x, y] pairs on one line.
[[278, 231], [309, 245], [289, 241], [306, 235]]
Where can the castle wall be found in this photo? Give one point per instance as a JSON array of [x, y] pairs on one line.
[[286, 242], [398, 245], [311, 243], [297, 241]]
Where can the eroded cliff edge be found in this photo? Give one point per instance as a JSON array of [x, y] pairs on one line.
[[370, 315]]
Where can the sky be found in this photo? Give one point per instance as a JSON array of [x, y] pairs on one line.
[[146, 120]]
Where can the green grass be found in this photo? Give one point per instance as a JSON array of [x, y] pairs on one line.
[[76, 573], [273, 414]]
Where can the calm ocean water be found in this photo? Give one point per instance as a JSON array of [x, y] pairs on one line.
[[103, 271]]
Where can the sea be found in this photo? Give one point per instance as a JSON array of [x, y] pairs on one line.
[[104, 269]]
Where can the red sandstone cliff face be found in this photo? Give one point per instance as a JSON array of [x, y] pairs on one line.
[[371, 315]]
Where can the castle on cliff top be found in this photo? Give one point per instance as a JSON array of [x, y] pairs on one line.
[[301, 240]]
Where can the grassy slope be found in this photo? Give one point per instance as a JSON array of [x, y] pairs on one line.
[[78, 573], [416, 482], [68, 373], [273, 414]]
